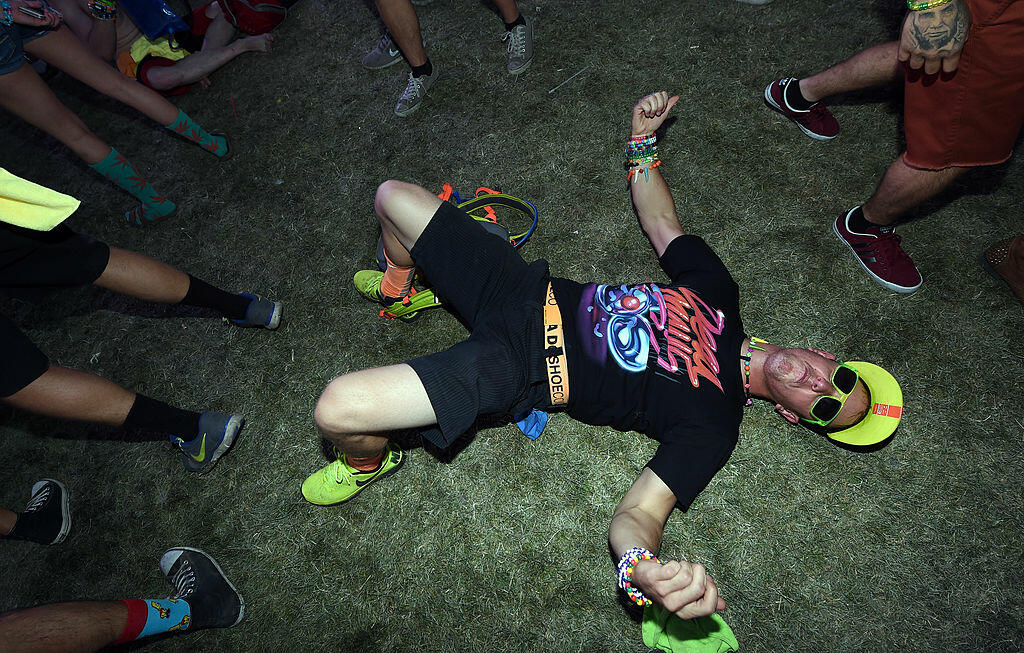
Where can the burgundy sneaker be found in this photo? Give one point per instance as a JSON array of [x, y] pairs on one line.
[[880, 254], [817, 122]]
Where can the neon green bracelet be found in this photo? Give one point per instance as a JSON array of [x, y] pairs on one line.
[[926, 4]]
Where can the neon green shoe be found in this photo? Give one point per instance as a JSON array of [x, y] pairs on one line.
[[338, 482], [408, 308]]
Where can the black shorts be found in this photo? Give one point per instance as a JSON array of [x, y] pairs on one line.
[[499, 369], [34, 262], [21, 362]]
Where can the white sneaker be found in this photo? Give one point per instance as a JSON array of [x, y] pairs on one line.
[[415, 91], [520, 46]]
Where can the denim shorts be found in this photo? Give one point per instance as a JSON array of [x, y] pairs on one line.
[[12, 37]]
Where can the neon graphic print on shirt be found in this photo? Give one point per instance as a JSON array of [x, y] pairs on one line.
[[636, 326]]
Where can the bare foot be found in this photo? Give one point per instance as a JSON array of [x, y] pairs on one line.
[[205, 82], [258, 43]]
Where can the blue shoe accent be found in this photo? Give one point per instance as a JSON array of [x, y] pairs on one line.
[[265, 313]]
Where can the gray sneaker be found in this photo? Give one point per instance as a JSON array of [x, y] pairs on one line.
[[520, 47], [415, 91], [385, 54]]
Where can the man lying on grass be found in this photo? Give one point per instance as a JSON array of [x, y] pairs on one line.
[[668, 360]]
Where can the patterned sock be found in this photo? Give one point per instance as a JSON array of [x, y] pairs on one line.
[[189, 129], [365, 463], [119, 170], [397, 279], [151, 616]]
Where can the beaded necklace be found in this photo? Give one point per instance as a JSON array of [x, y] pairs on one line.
[[6, 13], [752, 344]]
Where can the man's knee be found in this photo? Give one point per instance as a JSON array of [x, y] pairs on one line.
[[343, 407], [163, 78]]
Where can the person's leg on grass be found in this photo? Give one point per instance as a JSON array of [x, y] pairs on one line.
[[869, 230], [404, 27], [203, 598], [72, 394], [357, 413], [24, 94], [46, 518], [519, 34], [800, 99], [137, 275], [63, 49]]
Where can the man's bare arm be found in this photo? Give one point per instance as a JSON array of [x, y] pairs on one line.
[[682, 587], [652, 200]]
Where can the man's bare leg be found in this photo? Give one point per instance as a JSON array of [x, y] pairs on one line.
[[403, 211], [7, 519], [509, 10], [84, 626], [137, 275], [904, 187], [71, 394], [868, 68], [400, 18], [353, 414]]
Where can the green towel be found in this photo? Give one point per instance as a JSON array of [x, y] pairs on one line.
[[664, 631]]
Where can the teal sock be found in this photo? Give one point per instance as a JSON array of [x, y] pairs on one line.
[[151, 616], [189, 129], [119, 170]]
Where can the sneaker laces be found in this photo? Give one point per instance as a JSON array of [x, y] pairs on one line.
[[385, 42], [39, 500], [184, 580], [413, 89], [887, 250], [516, 38]]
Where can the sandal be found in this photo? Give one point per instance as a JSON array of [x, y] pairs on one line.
[[1000, 262]]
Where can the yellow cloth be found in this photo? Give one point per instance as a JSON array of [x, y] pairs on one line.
[[32, 206], [129, 60]]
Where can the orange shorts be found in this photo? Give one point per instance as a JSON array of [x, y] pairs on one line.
[[973, 116]]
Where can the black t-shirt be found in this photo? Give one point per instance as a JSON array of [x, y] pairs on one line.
[[663, 360]]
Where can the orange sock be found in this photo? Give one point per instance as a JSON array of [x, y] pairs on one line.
[[365, 463], [397, 279]]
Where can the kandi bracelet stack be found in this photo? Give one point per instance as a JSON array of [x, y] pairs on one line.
[[641, 154], [627, 563]]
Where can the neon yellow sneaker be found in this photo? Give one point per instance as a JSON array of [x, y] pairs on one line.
[[407, 308], [338, 482]]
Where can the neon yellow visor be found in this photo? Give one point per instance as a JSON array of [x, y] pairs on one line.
[[884, 413]]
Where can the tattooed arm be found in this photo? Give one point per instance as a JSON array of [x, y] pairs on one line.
[[934, 37]]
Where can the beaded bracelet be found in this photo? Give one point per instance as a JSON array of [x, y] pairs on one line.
[[635, 172], [6, 12], [103, 9], [925, 4], [627, 563]]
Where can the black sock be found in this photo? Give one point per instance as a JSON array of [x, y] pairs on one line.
[[426, 69], [153, 415], [859, 223], [517, 22], [794, 98], [204, 295]]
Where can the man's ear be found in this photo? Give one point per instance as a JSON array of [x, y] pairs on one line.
[[787, 414], [819, 352]]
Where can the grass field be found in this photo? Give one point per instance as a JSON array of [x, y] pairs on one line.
[[502, 545]]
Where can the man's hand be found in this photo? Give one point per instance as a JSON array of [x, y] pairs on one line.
[[51, 17], [682, 588], [651, 111], [933, 38]]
